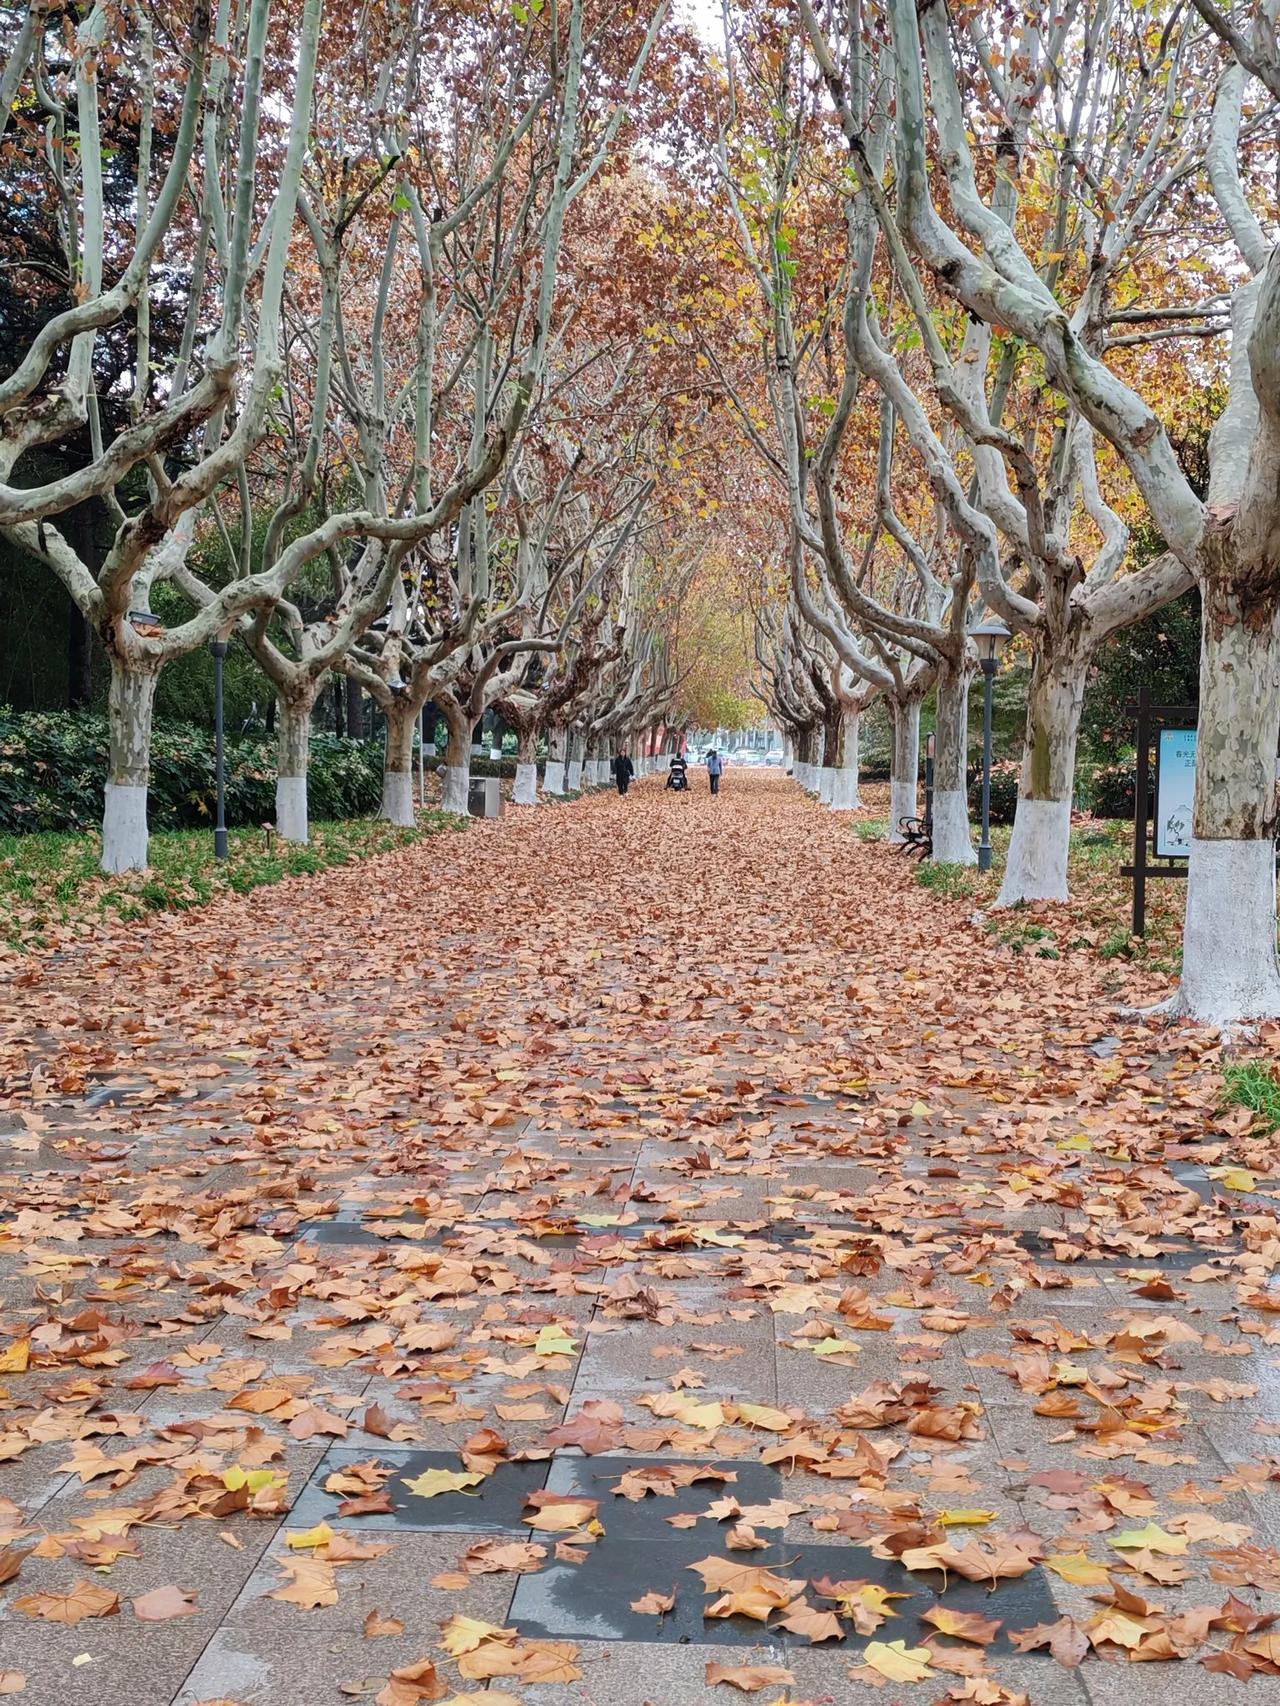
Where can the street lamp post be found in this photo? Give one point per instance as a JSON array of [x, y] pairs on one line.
[[990, 637], [219, 649]]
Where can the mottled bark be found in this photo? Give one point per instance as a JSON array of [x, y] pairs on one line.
[[397, 765], [293, 743], [124, 817], [952, 841], [1036, 868], [904, 765]]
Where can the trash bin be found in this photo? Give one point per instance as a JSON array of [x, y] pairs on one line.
[[484, 797]]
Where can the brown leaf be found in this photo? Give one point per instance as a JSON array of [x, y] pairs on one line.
[[411, 1684], [161, 1604], [748, 1678], [86, 1599], [375, 1624], [653, 1604]]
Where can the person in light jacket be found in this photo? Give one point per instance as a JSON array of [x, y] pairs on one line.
[[623, 771], [715, 769]]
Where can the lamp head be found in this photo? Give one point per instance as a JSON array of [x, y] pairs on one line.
[[991, 637]]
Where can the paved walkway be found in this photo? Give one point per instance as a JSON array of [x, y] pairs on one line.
[[635, 1238]]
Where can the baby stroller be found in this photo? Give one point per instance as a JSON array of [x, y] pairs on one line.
[[678, 776]]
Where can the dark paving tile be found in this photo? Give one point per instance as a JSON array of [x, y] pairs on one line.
[[593, 1600], [493, 1506], [626, 1520]]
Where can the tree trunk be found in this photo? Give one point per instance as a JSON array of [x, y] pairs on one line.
[[553, 776], [124, 813], [397, 765], [952, 842], [832, 734], [844, 791], [574, 747], [904, 765], [1036, 868], [526, 788], [1229, 968], [788, 755], [456, 792], [293, 742]]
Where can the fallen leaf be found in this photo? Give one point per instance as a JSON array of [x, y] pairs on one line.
[[748, 1678]]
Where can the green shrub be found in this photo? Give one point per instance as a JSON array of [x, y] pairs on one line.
[[1004, 791], [53, 765], [1110, 790]]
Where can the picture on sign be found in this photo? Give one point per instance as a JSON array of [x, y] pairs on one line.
[[1175, 792]]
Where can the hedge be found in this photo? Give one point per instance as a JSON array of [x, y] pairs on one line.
[[1110, 790], [1004, 791], [53, 765]]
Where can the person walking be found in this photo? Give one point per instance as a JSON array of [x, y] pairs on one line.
[[623, 771], [715, 769]]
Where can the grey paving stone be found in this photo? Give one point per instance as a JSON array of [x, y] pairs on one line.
[[293, 1666], [397, 1584], [103, 1662]]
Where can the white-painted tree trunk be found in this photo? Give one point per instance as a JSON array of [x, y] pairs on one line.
[[952, 841], [293, 744], [397, 766], [844, 796], [788, 755], [456, 773], [455, 790], [826, 783], [904, 766], [526, 788], [574, 774], [1036, 868], [553, 779], [1229, 968], [130, 703]]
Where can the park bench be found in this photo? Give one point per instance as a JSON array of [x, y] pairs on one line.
[[917, 835]]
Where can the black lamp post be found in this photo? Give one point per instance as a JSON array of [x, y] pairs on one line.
[[990, 637], [219, 649]]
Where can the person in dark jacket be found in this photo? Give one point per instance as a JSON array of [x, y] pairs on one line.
[[623, 771]]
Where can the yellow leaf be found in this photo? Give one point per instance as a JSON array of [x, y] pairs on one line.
[[967, 1518], [898, 1661], [757, 1416], [433, 1482], [835, 1347], [16, 1358], [1077, 1567], [464, 1634], [1153, 1538], [320, 1535], [554, 1342], [1234, 1178], [254, 1479], [1079, 1141]]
